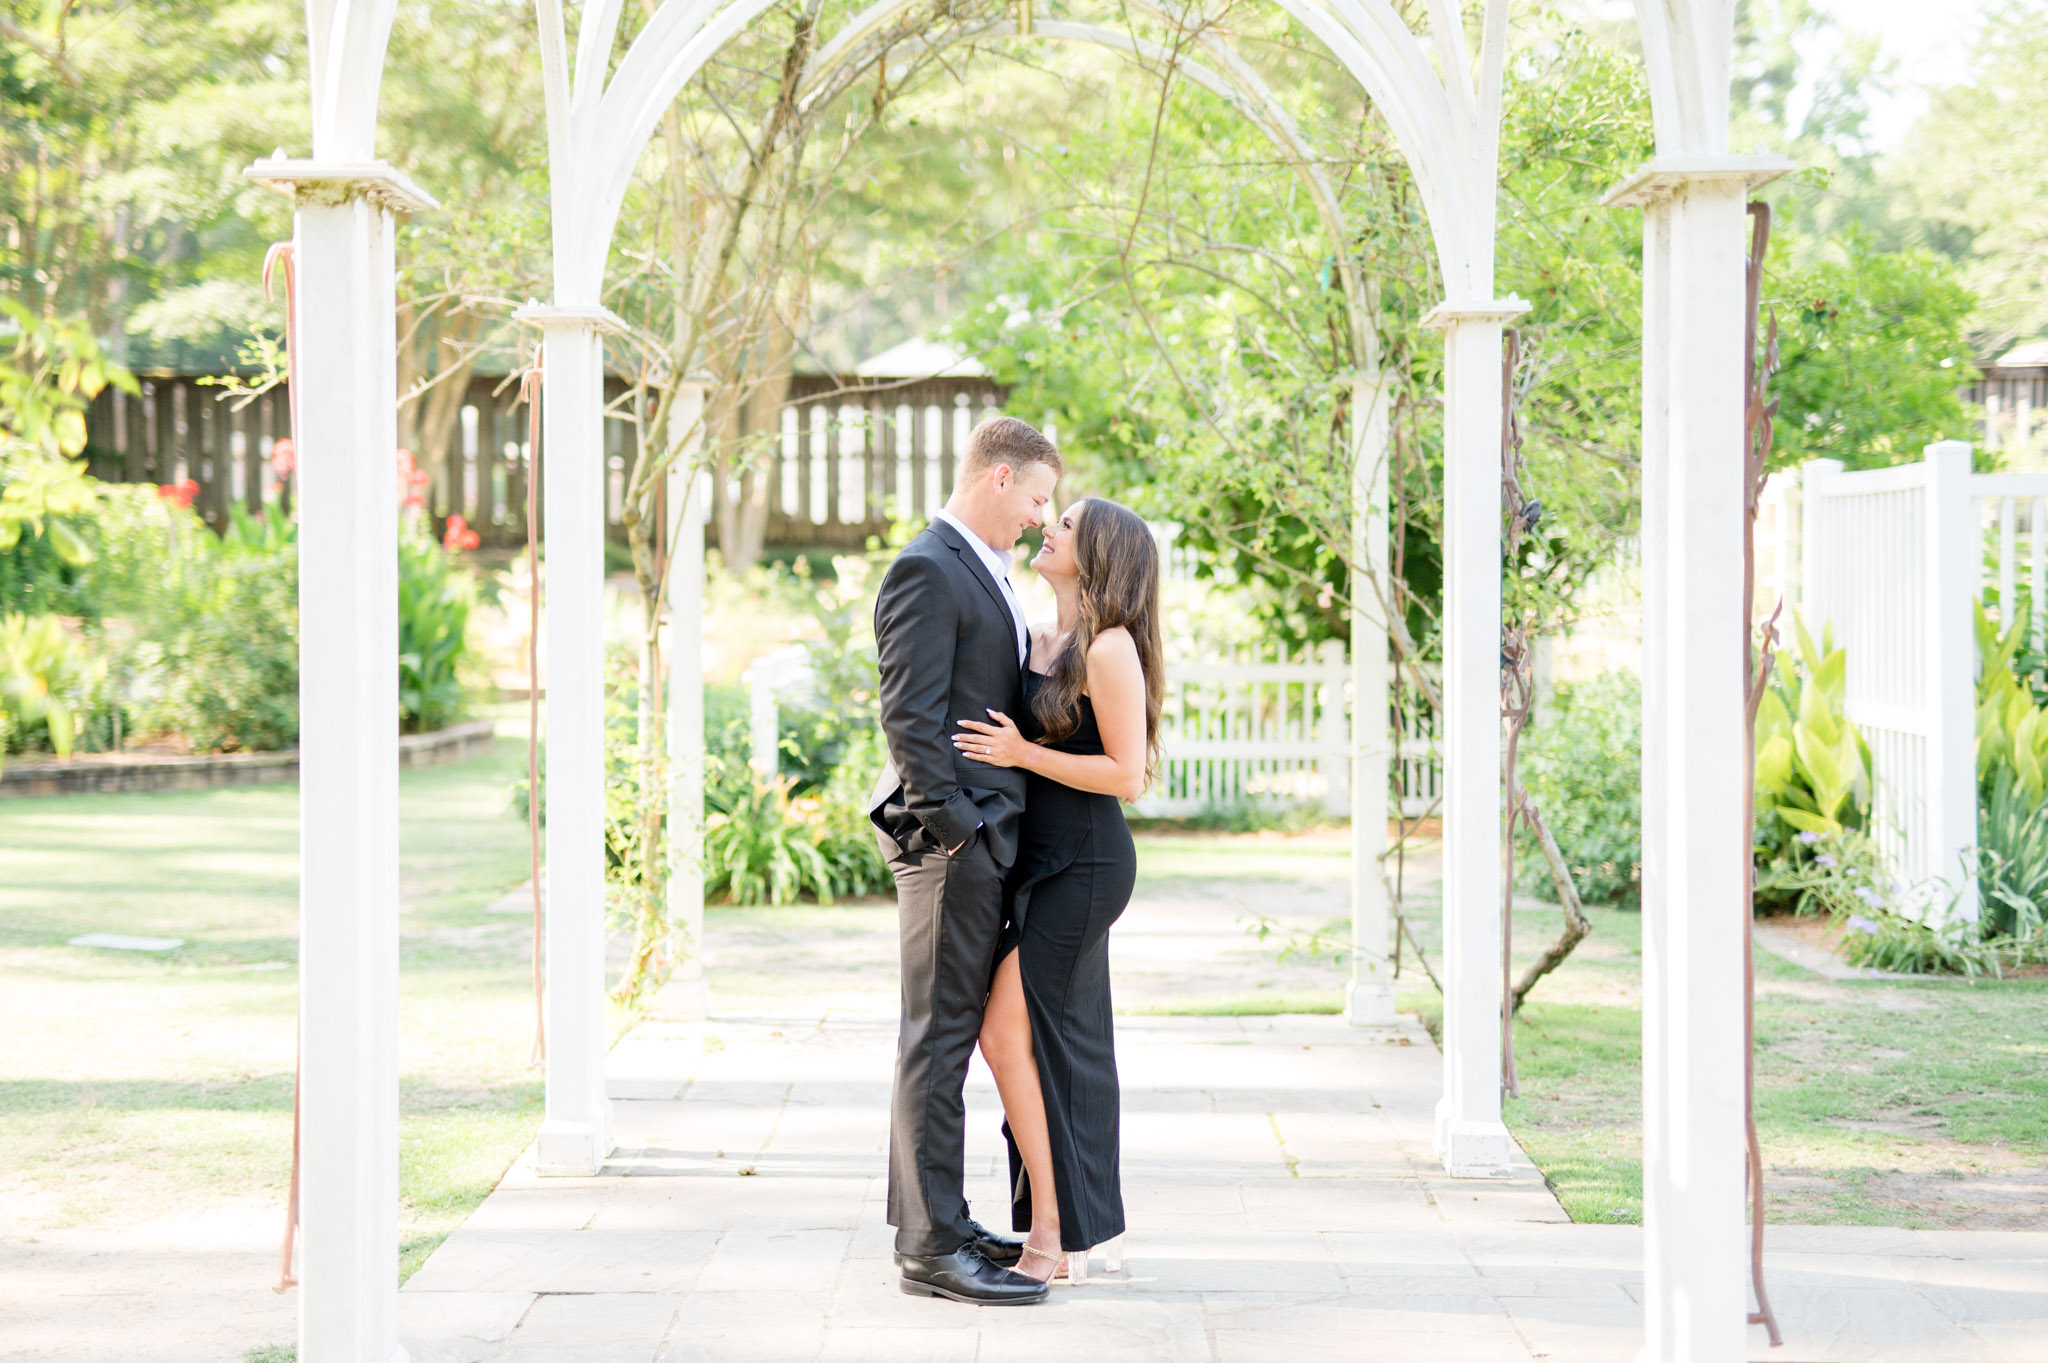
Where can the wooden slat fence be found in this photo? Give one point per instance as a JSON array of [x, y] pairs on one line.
[[851, 454]]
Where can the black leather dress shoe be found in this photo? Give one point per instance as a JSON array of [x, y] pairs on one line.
[[966, 1275], [997, 1248]]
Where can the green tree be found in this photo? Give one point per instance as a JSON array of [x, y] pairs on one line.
[[1973, 173], [1170, 301], [124, 129], [1875, 354]]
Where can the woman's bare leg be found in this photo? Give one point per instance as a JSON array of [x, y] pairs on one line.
[[1006, 1045]]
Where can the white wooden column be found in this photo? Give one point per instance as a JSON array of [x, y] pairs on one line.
[[687, 994], [575, 1133], [1369, 997], [347, 505], [1695, 845], [1471, 1140]]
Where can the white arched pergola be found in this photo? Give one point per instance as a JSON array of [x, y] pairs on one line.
[[1444, 114]]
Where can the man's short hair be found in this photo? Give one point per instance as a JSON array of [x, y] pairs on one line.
[[1006, 440]]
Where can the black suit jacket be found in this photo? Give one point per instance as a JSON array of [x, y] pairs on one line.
[[947, 644]]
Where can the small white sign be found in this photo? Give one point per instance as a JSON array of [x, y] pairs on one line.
[[115, 941]]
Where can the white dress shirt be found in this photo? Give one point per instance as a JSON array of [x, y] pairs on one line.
[[998, 564]]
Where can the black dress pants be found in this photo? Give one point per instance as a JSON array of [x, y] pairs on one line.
[[950, 912]]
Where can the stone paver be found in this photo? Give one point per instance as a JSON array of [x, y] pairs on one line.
[[1283, 1201]]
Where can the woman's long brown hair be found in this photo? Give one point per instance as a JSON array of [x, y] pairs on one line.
[[1118, 563]]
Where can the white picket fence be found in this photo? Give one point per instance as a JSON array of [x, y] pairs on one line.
[[1266, 725], [1263, 727], [1893, 559]]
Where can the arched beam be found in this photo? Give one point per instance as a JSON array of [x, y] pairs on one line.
[[1688, 49], [595, 145], [345, 45]]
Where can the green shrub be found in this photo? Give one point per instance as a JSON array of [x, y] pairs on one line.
[[46, 682], [2012, 869], [1812, 765], [1583, 767], [848, 837], [434, 602], [1828, 875], [226, 660], [1885, 940], [760, 845]]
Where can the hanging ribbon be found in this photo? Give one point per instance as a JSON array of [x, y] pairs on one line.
[[282, 257], [529, 393], [279, 260]]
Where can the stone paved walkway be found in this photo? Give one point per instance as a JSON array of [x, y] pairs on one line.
[[1282, 1200]]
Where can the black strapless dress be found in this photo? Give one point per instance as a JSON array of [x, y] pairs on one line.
[[1073, 877]]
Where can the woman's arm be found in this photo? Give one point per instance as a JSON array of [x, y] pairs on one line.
[[1116, 686]]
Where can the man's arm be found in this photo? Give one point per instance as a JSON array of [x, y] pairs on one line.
[[917, 628]]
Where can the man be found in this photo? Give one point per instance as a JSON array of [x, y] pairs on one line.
[[951, 638]]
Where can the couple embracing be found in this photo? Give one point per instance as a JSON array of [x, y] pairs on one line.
[[1010, 747]]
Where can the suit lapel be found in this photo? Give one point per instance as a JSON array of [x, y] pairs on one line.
[[980, 571]]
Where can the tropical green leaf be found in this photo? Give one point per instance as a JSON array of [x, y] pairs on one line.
[[69, 544], [1774, 763], [1816, 715], [1808, 823]]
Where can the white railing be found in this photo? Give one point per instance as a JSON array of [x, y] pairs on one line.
[[1269, 727], [1263, 727], [1893, 559]]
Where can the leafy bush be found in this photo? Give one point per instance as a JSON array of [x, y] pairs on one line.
[[434, 601], [1886, 940], [227, 652], [1582, 764], [46, 679], [765, 843], [1828, 875], [760, 845], [51, 372], [2012, 868], [847, 834], [1812, 765], [2012, 730]]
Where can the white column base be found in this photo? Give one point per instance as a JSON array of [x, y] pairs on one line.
[[573, 1149], [1473, 1149], [1369, 1005], [683, 1000]]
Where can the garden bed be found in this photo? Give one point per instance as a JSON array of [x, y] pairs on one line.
[[116, 773]]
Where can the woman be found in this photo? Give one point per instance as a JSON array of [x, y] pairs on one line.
[[1087, 740]]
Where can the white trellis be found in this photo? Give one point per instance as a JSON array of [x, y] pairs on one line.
[[1443, 109]]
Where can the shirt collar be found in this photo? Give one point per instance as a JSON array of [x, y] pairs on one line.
[[998, 562]]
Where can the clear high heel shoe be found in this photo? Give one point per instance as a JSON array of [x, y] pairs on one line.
[[1112, 1259]]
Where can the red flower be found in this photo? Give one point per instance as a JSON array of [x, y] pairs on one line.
[[284, 457], [411, 478], [179, 494], [458, 535]]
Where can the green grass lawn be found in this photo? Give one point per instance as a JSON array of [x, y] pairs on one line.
[[1879, 1102], [138, 1085]]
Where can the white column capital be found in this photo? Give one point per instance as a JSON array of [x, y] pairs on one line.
[[589, 316], [1452, 311], [308, 181], [1665, 176]]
